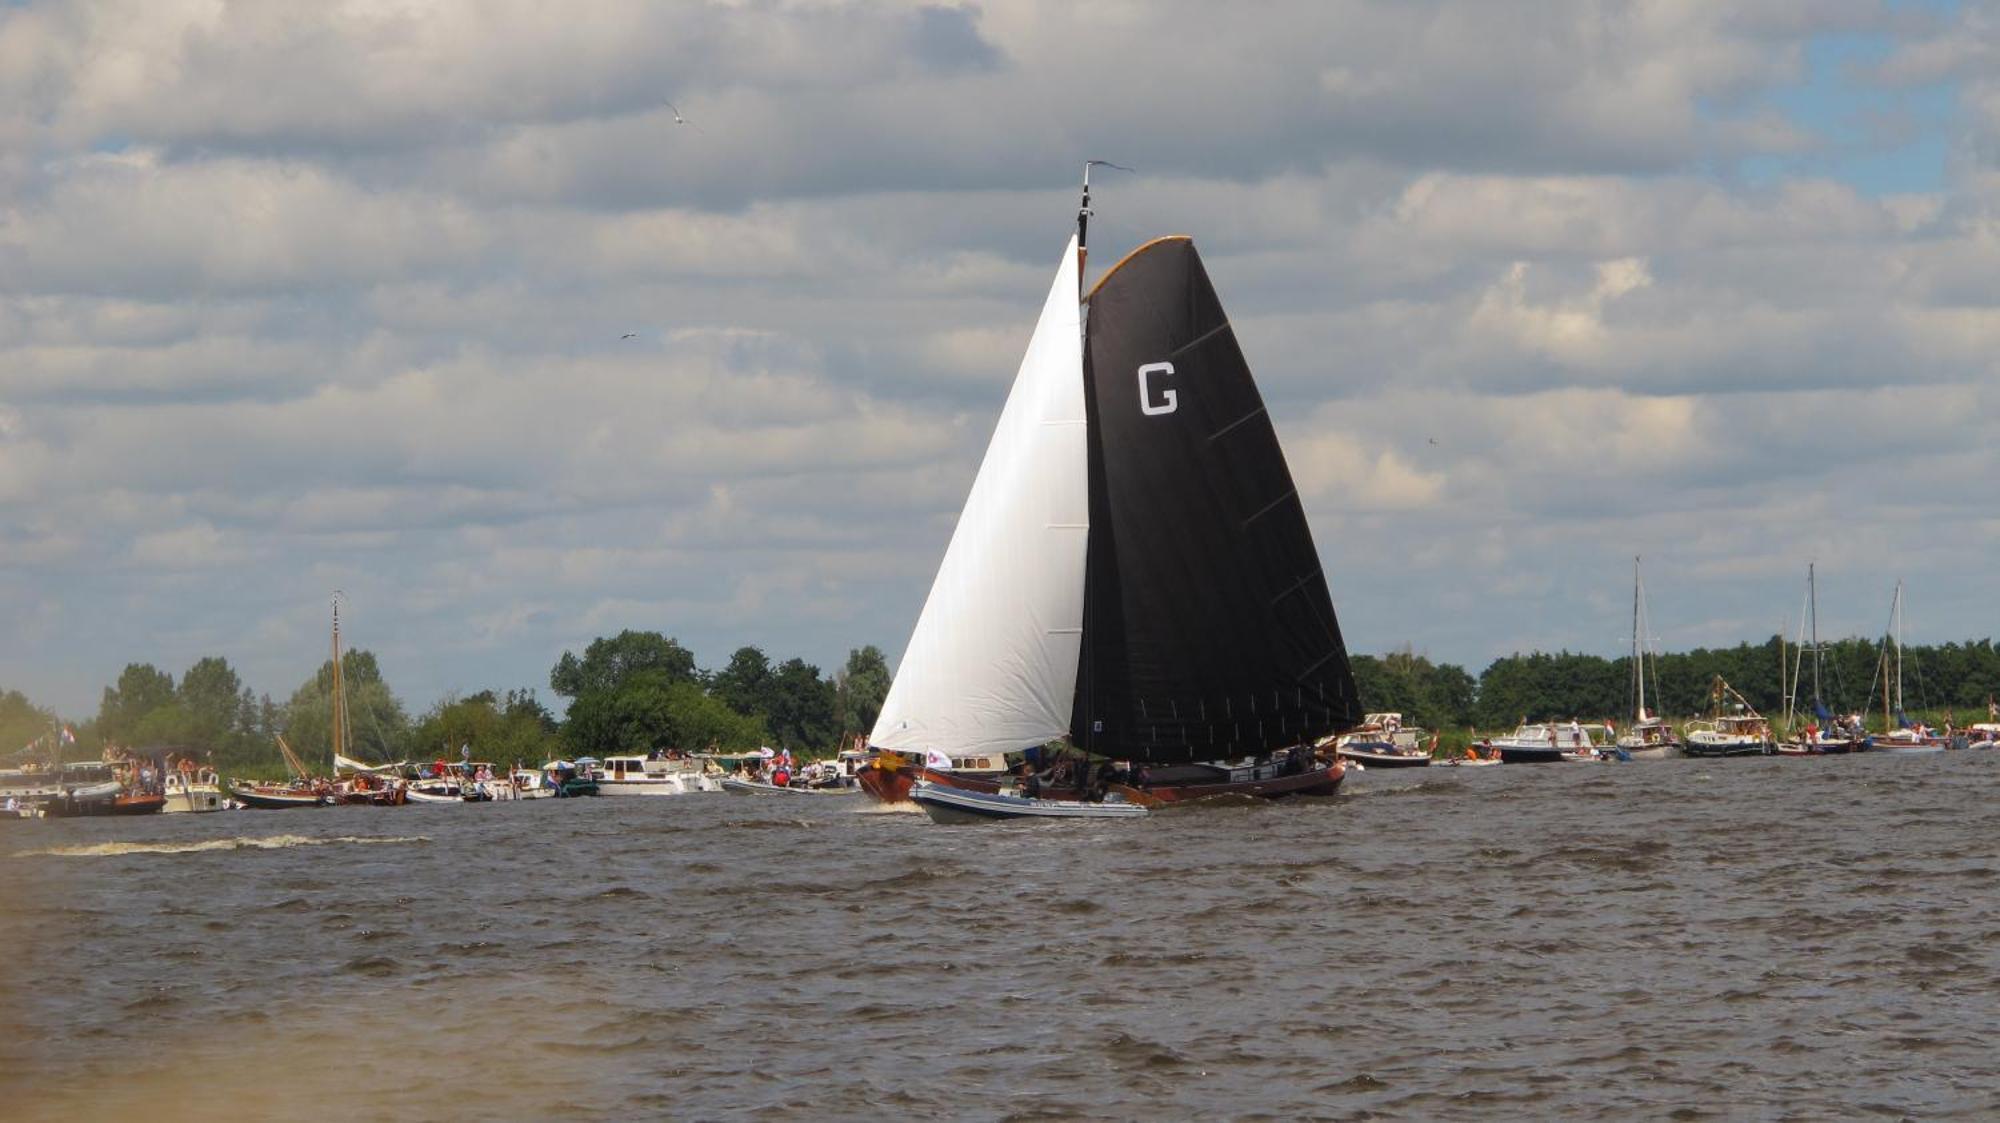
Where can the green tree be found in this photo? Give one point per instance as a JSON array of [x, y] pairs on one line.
[[607, 664], [860, 688], [746, 684], [654, 710], [801, 714], [142, 688], [22, 723], [208, 697], [516, 729]]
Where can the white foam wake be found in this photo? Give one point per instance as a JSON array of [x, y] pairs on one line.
[[266, 842]]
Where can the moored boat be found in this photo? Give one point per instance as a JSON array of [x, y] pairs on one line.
[[1547, 742], [278, 797], [738, 786], [193, 789], [1738, 732], [1383, 741], [653, 774], [1649, 737]]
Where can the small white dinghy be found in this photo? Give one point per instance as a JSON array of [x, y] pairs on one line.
[[960, 805]]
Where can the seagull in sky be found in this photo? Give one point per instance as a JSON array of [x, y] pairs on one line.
[[1433, 440], [634, 334], [680, 120]]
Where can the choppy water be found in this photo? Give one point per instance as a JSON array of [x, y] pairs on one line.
[[1720, 939]]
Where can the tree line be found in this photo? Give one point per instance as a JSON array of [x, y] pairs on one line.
[[1959, 677], [640, 691], [633, 692]]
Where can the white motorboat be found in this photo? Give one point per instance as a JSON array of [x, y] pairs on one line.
[[653, 774], [1383, 741], [194, 791], [1549, 743], [960, 805]]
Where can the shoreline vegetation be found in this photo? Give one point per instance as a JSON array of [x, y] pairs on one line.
[[639, 691]]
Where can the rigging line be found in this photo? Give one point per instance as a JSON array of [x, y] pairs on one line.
[[1198, 340], [1227, 429]]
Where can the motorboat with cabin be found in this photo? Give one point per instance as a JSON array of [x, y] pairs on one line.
[[655, 773], [1383, 741], [1734, 728], [1548, 742]]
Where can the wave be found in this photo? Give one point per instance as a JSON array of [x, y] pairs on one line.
[[267, 842]]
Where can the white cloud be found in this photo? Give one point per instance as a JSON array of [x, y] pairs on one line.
[[295, 297]]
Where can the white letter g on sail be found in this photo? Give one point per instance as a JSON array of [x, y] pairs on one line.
[[1168, 399]]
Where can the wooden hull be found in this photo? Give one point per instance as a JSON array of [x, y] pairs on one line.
[[274, 800], [893, 785], [1318, 781]]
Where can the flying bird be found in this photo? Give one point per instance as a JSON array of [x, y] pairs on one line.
[[1433, 440], [680, 120], [632, 334]]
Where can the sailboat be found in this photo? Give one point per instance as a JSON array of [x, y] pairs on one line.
[[1826, 734], [1902, 735], [1649, 737], [1132, 597], [304, 790]]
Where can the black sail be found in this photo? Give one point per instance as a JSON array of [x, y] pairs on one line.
[[1208, 629]]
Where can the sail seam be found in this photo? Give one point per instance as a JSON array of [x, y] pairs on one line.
[[1268, 508], [1296, 586], [1198, 340], [1231, 427]]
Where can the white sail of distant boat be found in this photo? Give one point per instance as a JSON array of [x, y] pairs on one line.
[[992, 664]]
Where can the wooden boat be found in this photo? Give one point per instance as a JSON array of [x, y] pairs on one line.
[[959, 806], [1132, 582], [889, 777], [277, 797]]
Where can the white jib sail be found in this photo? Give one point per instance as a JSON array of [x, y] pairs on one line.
[[991, 667]]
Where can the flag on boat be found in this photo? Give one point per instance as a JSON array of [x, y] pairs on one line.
[[68, 736], [1821, 712], [934, 759]]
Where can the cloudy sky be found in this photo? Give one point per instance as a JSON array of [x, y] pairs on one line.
[[331, 295]]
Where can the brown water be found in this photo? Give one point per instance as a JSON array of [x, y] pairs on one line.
[[1721, 939]]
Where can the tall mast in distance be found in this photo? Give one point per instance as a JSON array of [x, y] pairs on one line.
[[338, 716]]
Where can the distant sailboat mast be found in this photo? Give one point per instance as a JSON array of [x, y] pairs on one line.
[[1638, 664], [343, 735]]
